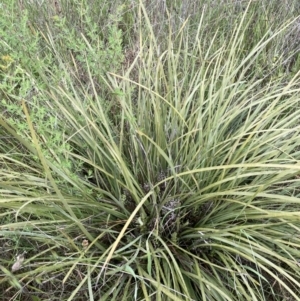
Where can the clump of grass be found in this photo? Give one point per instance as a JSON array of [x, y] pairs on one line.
[[174, 178]]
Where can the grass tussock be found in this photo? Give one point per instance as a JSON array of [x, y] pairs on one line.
[[149, 150]]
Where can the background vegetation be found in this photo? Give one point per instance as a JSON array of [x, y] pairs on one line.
[[149, 150]]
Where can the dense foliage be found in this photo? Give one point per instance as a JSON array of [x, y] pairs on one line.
[[149, 150]]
